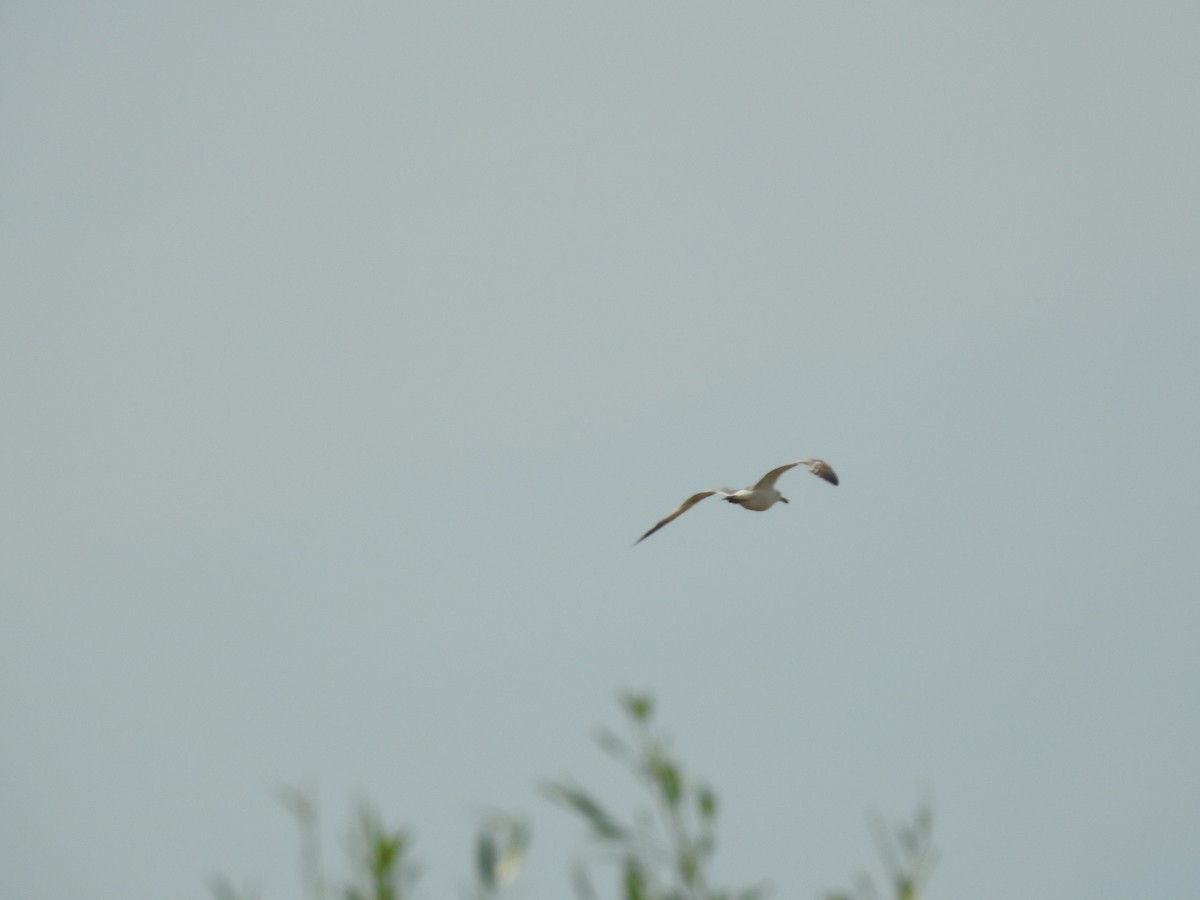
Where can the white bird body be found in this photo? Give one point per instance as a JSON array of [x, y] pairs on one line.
[[756, 499], [761, 497]]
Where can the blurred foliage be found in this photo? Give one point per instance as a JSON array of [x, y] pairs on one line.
[[379, 857], [664, 852], [499, 851], [908, 858], [383, 872]]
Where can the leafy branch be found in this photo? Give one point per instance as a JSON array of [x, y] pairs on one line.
[[663, 856], [664, 853]]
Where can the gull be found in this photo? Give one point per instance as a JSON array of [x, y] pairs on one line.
[[758, 498]]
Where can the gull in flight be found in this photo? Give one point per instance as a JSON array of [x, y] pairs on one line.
[[758, 498]]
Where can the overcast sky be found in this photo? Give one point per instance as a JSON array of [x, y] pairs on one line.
[[346, 349]]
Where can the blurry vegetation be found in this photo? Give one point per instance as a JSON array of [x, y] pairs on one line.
[[908, 858], [660, 853], [663, 854]]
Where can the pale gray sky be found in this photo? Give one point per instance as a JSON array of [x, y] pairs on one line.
[[346, 349]]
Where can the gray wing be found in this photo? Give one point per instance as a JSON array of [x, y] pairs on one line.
[[818, 467], [679, 511]]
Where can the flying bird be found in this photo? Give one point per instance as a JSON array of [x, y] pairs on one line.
[[758, 498]]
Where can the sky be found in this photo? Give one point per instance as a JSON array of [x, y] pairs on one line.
[[345, 350]]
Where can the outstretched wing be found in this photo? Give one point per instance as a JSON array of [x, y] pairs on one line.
[[822, 469], [818, 467], [679, 511]]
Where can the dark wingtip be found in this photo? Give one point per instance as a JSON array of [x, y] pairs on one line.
[[832, 478]]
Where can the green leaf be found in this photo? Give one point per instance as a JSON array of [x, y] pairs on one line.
[[602, 823], [639, 706], [689, 866], [485, 860], [670, 782], [634, 880]]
